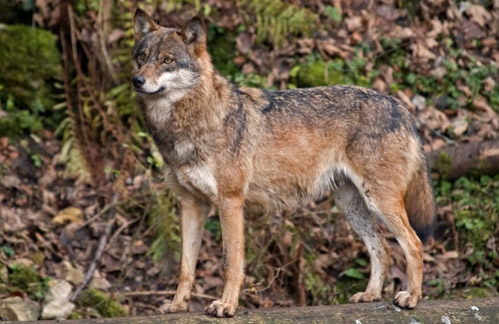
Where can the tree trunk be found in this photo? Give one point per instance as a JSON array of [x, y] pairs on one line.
[[478, 158], [441, 311]]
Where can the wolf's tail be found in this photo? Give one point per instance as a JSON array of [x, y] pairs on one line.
[[420, 202]]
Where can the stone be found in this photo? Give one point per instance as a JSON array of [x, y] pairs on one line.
[[4, 274], [57, 304], [72, 274], [17, 309], [57, 309], [419, 102]]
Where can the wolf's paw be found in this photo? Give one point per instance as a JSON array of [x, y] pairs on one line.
[[365, 297], [220, 309], [405, 299], [173, 308]]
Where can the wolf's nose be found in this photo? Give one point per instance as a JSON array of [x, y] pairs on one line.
[[138, 81]]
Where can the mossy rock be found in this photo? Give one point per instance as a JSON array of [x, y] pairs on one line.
[[100, 301]]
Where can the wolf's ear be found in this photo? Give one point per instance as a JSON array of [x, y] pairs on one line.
[[194, 33], [143, 24]]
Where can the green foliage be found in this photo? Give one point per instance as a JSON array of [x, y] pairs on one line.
[[346, 287], [222, 47], [23, 276], [434, 86], [316, 72], [102, 303], [475, 204], [25, 89], [8, 251], [276, 19], [332, 13], [27, 279], [166, 229]]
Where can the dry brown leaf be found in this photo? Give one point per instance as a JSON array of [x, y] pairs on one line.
[[406, 100], [68, 215], [422, 52], [479, 14]]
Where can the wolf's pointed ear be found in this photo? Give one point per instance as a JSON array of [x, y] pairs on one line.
[[143, 24], [194, 33]]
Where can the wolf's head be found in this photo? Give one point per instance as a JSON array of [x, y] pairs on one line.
[[168, 61]]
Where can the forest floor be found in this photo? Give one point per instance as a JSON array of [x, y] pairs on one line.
[[439, 59]]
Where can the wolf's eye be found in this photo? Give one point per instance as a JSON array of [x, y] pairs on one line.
[[141, 57], [168, 60]]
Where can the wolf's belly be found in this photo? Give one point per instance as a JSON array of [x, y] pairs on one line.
[[289, 191]]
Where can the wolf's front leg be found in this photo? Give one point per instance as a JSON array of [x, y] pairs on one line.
[[231, 220], [192, 218]]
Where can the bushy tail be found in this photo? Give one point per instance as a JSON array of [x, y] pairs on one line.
[[420, 203]]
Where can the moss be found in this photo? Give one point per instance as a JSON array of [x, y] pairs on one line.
[[100, 301], [479, 292], [23, 277], [443, 165], [27, 279], [316, 73]]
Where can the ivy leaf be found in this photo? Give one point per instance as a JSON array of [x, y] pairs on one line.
[[354, 273]]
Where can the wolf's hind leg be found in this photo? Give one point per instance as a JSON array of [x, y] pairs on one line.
[[391, 209], [349, 200]]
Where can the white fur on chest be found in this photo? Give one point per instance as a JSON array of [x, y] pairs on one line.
[[199, 177], [160, 111]]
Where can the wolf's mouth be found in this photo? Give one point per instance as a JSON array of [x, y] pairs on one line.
[[149, 93]]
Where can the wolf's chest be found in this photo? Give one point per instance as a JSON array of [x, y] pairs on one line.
[[197, 179], [192, 172]]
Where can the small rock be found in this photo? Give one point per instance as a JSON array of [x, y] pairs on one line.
[[73, 275], [442, 102], [419, 102], [57, 304], [57, 309], [445, 319], [60, 289], [99, 282], [16, 309], [4, 274], [474, 309]]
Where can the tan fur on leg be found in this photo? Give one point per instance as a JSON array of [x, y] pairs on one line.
[[231, 220], [192, 216]]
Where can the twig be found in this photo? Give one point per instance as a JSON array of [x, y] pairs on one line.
[[99, 214], [164, 293], [100, 250]]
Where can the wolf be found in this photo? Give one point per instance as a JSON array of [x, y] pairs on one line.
[[242, 149]]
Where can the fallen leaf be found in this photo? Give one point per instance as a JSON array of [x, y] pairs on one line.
[[68, 215], [479, 14]]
